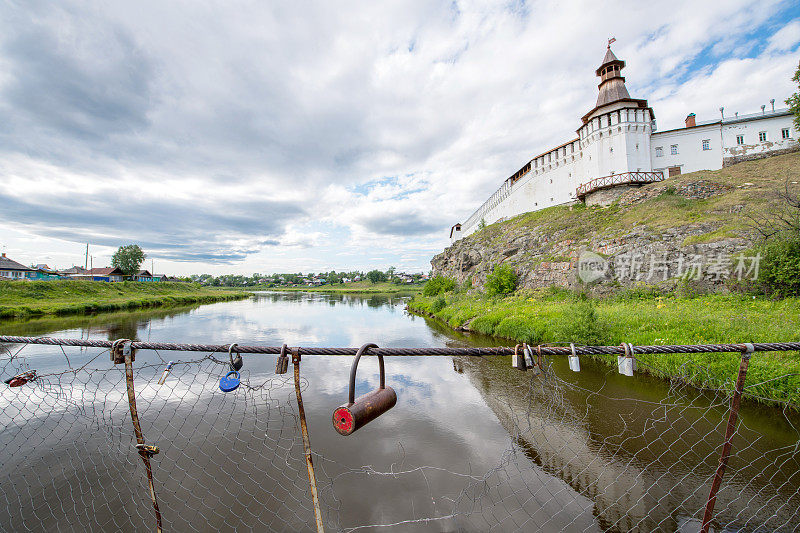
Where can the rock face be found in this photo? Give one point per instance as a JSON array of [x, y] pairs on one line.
[[601, 261]]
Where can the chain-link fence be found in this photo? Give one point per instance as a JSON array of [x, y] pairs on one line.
[[581, 452]]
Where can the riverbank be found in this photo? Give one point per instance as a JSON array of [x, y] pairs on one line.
[[20, 299], [356, 287], [538, 317]]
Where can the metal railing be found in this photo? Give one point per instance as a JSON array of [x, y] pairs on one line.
[[623, 178]]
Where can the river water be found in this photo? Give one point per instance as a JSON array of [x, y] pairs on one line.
[[472, 444]]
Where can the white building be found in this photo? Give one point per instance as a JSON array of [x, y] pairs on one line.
[[617, 145]]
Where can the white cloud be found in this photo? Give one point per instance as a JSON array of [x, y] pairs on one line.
[[374, 127]]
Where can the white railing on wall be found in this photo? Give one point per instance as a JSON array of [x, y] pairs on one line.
[[494, 200]]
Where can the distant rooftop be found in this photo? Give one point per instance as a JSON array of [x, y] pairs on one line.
[[755, 116]]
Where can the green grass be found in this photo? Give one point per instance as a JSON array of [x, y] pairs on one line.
[[360, 287], [643, 318], [19, 299]]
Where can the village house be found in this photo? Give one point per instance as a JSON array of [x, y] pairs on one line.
[[106, 274], [10, 269]]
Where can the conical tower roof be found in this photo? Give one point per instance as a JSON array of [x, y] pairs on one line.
[[612, 87]]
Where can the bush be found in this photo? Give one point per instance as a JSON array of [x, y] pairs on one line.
[[438, 285], [580, 325], [502, 280], [438, 304], [779, 267]]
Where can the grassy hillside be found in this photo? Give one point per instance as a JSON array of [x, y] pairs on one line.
[[34, 298], [741, 188]]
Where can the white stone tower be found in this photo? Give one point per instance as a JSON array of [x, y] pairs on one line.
[[615, 135]]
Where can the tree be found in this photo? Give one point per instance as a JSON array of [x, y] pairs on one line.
[[375, 276], [482, 224], [794, 100], [128, 259]]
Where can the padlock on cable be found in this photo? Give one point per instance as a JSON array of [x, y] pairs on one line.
[[626, 364], [237, 363], [574, 361], [232, 380], [518, 359], [282, 364], [358, 412]]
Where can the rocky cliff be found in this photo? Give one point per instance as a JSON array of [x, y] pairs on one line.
[[697, 227]]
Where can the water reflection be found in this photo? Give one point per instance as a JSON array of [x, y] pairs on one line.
[[472, 444]]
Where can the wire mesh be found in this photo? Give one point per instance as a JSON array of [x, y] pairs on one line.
[[581, 452]]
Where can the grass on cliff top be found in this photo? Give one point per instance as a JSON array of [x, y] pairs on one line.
[[561, 316], [61, 297], [752, 184]]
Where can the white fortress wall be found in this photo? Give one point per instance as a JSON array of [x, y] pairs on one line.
[[684, 148], [618, 136], [761, 133]]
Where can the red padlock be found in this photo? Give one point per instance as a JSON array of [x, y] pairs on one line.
[[357, 412], [21, 379]]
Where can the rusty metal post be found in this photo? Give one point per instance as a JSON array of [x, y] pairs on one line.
[[306, 441], [121, 352], [729, 431]]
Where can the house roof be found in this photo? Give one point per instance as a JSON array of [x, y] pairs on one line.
[[74, 270], [144, 273], [10, 264], [106, 271]]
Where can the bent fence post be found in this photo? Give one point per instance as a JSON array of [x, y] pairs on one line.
[[729, 432]]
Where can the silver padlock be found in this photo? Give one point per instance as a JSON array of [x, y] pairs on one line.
[[574, 362]]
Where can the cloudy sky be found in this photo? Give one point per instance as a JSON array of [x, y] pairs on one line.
[[240, 137]]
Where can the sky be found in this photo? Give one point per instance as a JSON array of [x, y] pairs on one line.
[[238, 137]]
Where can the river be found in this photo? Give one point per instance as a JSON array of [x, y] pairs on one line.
[[472, 445]]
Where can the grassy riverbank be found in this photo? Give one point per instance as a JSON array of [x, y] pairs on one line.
[[359, 287], [19, 299], [642, 318]]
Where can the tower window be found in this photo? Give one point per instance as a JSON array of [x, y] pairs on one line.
[[673, 149], [659, 151], [740, 139], [611, 149], [706, 144], [762, 136], [785, 133]]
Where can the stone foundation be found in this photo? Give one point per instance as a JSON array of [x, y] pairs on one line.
[[606, 197], [732, 160]]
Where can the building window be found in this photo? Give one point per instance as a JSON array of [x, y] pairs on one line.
[[637, 146], [785, 133], [740, 139], [659, 151], [673, 149], [762, 136], [611, 149], [706, 144]]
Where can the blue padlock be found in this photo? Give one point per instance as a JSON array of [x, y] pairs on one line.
[[230, 382]]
